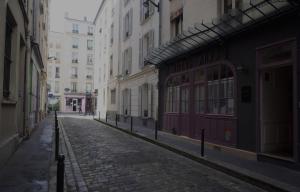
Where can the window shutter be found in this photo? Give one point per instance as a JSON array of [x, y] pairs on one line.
[[124, 28], [149, 100], [151, 46], [130, 21], [129, 101], [140, 101], [141, 59], [123, 63], [151, 8], [129, 55], [141, 11]]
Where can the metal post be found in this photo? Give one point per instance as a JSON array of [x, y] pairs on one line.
[[202, 143], [106, 118], [60, 173], [56, 143], [156, 126], [116, 120], [131, 123], [99, 116]]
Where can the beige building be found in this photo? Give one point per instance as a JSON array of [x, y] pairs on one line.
[[19, 48]]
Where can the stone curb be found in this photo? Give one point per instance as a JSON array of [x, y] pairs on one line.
[[237, 172]]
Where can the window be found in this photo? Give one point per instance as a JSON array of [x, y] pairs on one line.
[[228, 5], [126, 2], [176, 26], [113, 96], [74, 72], [10, 25], [126, 102], [57, 74], [90, 30], [56, 87], [75, 28], [75, 42], [88, 87], [128, 24], [146, 45], [146, 10], [111, 65], [89, 75], [90, 59], [90, 44], [145, 100], [213, 90], [57, 57], [74, 57], [111, 34], [73, 87], [127, 61], [184, 99]]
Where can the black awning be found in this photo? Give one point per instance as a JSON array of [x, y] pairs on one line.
[[218, 29]]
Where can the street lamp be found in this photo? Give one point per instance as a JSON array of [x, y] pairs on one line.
[[146, 4]]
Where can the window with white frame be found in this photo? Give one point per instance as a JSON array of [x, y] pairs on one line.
[[127, 61], [57, 57], [146, 10], [74, 72], [74, 57], [75, 43], [145, 47], [111, 34], [90, 59], [88, 87], [145, 100], [57, 72], [177, 26], [90, 30], [73, 87], [126, 102], [89, 75], [111, 66], [127, 26], [228, 5], [113, 96], [56, 88], [90, 44], [75, 28]]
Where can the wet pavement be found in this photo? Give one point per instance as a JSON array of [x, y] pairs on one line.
[[28, 169], [110, 160]]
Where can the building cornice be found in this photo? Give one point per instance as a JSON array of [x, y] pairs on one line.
[[146, 70]]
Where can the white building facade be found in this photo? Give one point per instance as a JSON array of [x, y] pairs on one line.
[[127, 87], [73, 70]]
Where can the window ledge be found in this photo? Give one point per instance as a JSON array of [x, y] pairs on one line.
[[9, 102]]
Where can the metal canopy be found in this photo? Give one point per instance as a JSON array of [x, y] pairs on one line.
[[218, 29]]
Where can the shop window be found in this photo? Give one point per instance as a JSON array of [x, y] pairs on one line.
[[184, 99]]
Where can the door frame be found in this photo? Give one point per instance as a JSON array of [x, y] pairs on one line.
[[259, 69]]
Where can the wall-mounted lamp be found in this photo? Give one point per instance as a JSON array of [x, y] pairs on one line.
[[146, 4]]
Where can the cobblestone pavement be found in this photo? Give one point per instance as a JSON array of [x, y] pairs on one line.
[[110, 160]]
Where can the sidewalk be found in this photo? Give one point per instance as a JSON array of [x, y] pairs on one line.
[[28, 169], [241, 165]]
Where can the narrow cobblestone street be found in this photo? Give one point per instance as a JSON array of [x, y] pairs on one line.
[[110, 160]]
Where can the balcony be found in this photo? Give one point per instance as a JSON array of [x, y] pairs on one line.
[[75, 31], [75, 46], [57, 76], [90, 48], [90, 33]]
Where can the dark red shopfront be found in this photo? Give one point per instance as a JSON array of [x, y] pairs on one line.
[[201, 98]]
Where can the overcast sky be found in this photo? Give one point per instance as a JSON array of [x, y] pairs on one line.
[[76, 9]]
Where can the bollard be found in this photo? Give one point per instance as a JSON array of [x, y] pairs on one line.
[[56, 143], [156, 126], [117, 120], [131, 124], [202, 142], [60, 173]]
